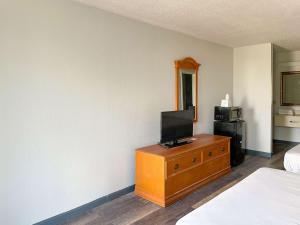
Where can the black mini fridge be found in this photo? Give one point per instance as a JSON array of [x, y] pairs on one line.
[[237, 131]]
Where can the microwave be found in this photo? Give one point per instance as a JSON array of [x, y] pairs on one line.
[[228, 113]]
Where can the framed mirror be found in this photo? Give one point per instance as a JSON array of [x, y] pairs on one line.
[[187, 85], [290, 88]]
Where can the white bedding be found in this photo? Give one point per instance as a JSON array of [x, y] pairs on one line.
[[266, 197], [292, 160]]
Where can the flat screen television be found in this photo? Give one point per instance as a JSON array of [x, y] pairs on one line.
[[176, 125]]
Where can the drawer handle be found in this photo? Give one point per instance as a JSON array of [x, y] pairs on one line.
[[292, 121], [210, 154], [222, 149], [176, 167], [194, 160]]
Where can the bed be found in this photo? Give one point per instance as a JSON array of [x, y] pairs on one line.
[[266, 197], [292, 159]]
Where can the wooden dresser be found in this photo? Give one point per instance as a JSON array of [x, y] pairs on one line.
[[165, 175]]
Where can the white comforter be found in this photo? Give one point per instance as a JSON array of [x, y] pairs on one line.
[[266, 197], [292, 160]]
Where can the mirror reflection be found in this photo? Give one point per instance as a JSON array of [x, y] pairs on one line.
[[290, 88], [187, 86]]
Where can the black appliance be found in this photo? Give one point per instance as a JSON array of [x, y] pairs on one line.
[[227, 113], [237, 131], [176, 125]]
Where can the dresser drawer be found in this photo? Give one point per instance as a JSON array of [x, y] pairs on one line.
[[215, 150], [216, 165], [197, 174], [287, 121], [183, 180], [183, 162]]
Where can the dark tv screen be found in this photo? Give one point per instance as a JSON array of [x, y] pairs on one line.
[[176, 125]]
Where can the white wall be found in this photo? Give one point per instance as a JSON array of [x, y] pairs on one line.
[[80, 89], [252, 90], [285, 61]]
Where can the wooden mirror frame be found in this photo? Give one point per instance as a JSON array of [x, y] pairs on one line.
[[282, 88], [186, 64]]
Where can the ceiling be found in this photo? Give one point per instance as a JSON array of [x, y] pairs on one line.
[[229, 22]]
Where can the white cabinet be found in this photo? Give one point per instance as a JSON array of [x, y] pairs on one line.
[[286, 120]]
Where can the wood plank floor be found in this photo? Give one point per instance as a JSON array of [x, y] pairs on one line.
[[133, 210]]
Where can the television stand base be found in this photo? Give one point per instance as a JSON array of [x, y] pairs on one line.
[[175, 144]]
